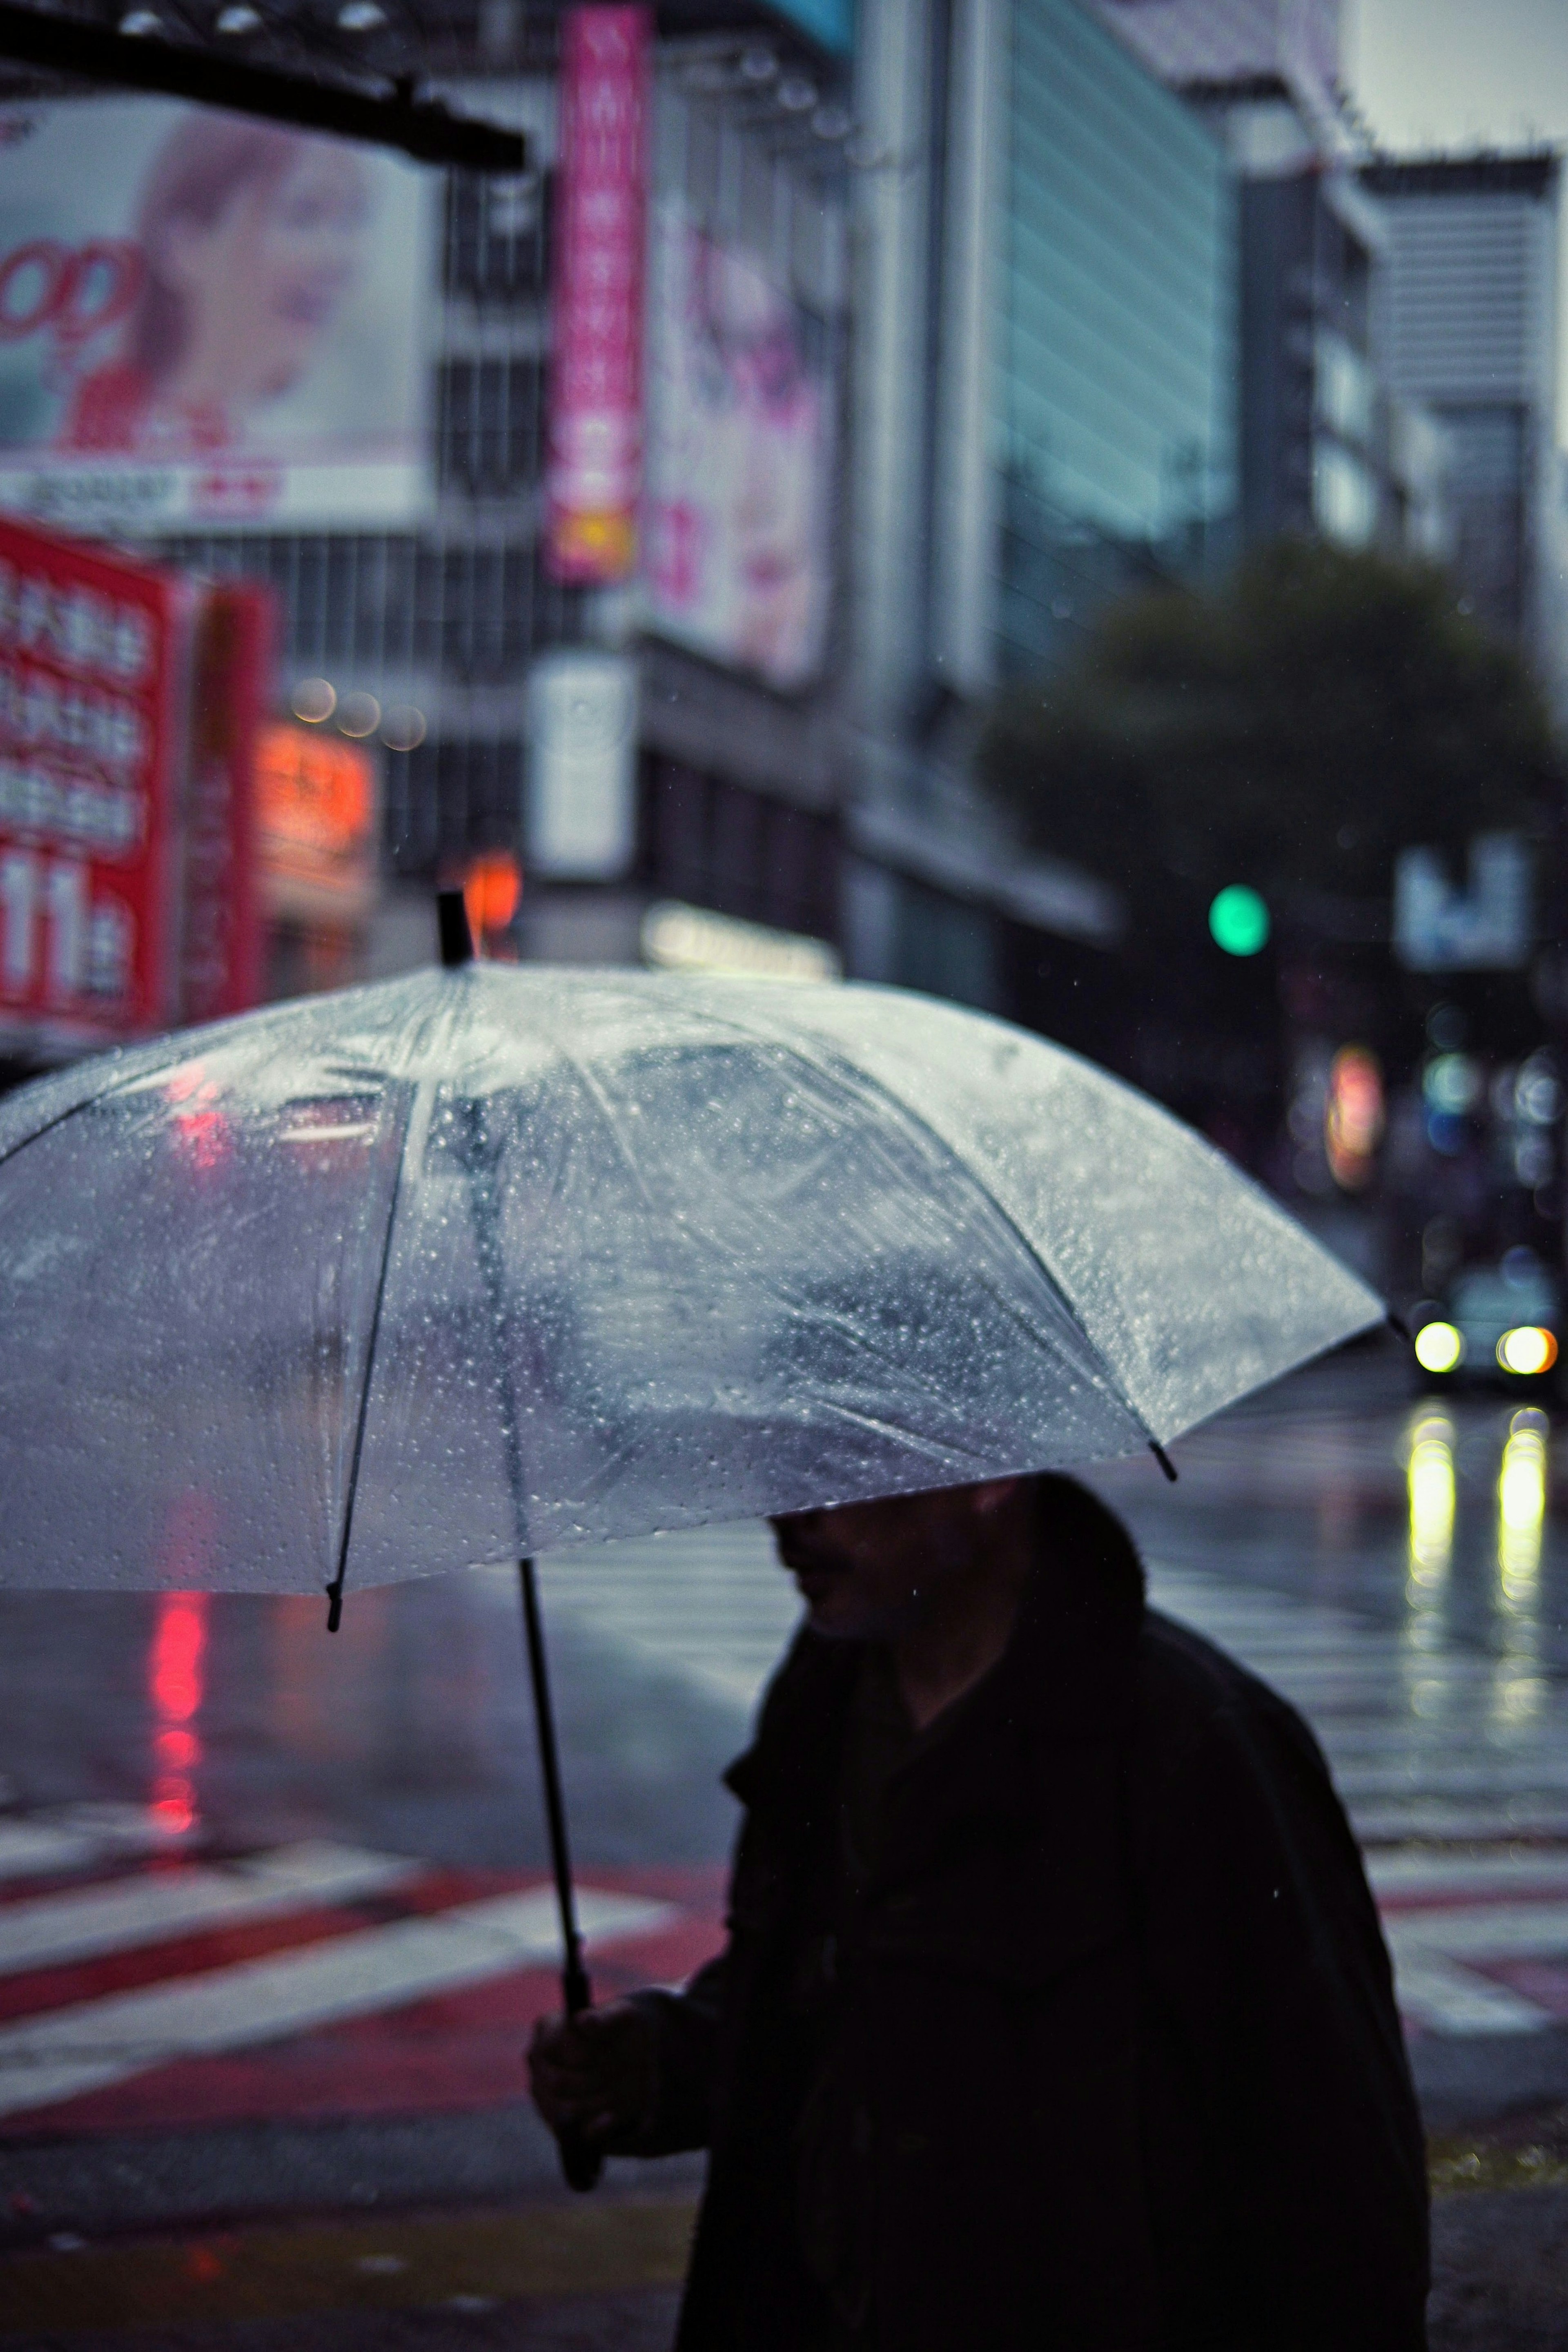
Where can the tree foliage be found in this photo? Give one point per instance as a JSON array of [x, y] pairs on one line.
[[1292, 730]]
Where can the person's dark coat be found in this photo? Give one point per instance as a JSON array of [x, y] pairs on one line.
[[1134, 2074]]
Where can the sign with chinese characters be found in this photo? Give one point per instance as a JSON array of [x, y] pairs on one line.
[[316, 798], [220, 920], [208, 322], [91, 708], [595, 468]]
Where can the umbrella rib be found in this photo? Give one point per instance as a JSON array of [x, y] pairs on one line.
[[147, 1063], [87, 1102], [335, 1589]]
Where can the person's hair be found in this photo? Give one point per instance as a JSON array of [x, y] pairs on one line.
[[204, 162]]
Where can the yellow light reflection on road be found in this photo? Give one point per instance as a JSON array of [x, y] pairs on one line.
[[1519, 1689], [1521, 1506], [1429, 1479]]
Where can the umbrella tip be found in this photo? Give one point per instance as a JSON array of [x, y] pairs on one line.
[[1164, 1459], [452, 919]]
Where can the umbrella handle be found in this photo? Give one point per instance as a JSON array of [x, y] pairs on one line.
[[579, 2164]]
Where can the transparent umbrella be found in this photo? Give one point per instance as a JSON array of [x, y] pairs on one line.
[[495, 1260]]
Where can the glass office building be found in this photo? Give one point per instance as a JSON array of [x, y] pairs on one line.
[[1115, 388]]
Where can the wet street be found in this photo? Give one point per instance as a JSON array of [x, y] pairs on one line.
[[273, 1917]]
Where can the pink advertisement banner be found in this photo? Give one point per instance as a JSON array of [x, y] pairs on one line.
[[596, 401]]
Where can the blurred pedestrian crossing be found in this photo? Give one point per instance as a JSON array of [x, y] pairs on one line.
[[1452, 1761], [145, 1982], [1428, 1738]]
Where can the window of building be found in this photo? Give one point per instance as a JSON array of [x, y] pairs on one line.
[[718, 843], [497, 236], [1346, 393], [1115, 383], [1345, 496], [446, 800], [489, 416]]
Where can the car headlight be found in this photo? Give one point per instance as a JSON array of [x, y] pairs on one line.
[[1439, 1347], [1527, 1349]]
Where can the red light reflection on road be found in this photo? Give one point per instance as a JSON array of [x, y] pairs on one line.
[[174, 1680], [175, 1662]]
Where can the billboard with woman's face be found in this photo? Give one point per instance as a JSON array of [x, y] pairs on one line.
[[738, 465], [208, 321]]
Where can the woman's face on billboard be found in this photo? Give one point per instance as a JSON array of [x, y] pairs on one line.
[[265, 277], [774, 410]]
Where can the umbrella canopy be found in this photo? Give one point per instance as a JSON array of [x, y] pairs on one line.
[[493, 1260]]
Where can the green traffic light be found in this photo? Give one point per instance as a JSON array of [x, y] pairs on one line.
[[1238, 921]]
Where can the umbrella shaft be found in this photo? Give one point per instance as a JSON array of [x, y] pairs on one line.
[[574, 1982]]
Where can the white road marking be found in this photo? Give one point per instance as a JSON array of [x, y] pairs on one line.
[[85, 1921], [1490, 1931], [712, 1605], [71, 1837], [1423, 1742], [64, 2053], [1458, 1876], [1439, 1993]]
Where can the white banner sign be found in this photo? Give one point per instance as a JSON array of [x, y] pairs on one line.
[[583, 766]]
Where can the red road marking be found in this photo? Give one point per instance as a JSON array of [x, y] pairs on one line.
[[451, 2053]]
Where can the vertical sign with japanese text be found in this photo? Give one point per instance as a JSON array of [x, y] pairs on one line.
[[91, 691], [220, 926], [596, 397]]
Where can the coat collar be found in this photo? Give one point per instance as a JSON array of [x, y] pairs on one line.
[[1064, 1681]]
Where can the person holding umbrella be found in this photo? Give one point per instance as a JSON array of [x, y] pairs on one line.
[[1054, 2011], [1054, 2008]]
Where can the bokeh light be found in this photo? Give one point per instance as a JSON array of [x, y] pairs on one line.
[[1439, 1347], [1238, 921], [1529, 1350], [314, 700], [1429, 1485]]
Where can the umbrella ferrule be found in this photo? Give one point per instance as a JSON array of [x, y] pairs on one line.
[[452, 920]]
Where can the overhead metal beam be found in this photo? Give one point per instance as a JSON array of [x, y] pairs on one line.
[[422, 127]]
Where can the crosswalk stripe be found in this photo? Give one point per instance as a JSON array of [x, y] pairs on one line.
[[72, 1836], [90, 1921], [64, 2053], [1414, 1874], [1501, 1931], [1447, 1997], [1382, 1826], [1423, 1741]]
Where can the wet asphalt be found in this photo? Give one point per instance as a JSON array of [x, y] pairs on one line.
[[410, 1733]]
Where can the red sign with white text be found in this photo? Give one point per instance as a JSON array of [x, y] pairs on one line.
[[596, 400], [91, 721]]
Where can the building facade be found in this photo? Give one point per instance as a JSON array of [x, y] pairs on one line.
[[1112, 404], [1199, 46], [1328, 448], [444, 624], [1466, 318], [1045, 416], [1332, 444]]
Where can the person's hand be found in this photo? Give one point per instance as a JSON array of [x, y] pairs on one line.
[[592, 2075]]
